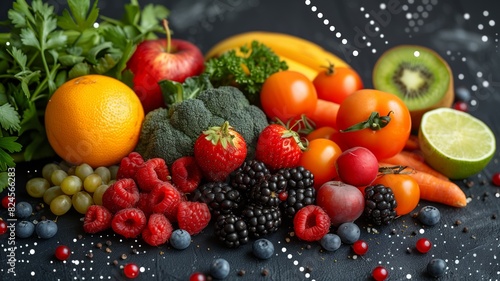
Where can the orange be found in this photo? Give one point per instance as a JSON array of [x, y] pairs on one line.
[[93, 119]]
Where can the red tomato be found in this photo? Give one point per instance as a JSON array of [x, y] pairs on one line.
[[288, 94], [335, 84], [319, 158], [405, 189], [390, 137]]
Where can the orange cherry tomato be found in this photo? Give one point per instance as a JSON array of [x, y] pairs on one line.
[[319, 158], [384, 120], [336, 83], [287, 95], [321, 132], [405, 189]]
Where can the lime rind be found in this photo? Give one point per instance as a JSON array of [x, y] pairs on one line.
[[456, 143]]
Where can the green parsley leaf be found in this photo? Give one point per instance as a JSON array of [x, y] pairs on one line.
[[9, 118], [8, 144]]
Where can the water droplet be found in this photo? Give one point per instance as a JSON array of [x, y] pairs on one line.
[[473, 88], [382, 36], [404, 7], [332, 28], [326, 22], [344, 41], [367, 15], [314, 8], [362, 9], [461, 76], [480, 26], [479, 74], [408, 15], [355, 53], [486, 84], [374, 51], [382, 6], [308, 2], [338, 34], [320, 15], [484, 38], [466, 16], [492, 23], [486, 13]]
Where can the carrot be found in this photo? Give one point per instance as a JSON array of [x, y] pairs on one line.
[[413, 160], [325, 114], [435, 189], [412, 143]]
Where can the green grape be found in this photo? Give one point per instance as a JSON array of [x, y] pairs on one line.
[[71, 185], [36, 187], [113, 170], [92, 182], [52, 193], [83, 170], [48, 169], [82, 201], [104, 173], [60, 205], [97, 196], [58, 176]]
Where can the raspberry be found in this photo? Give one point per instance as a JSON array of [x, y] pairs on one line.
[[311, 223], [129, 166], [158, 230], [97, 219], [120, 195], [186, 175], [165, 198], [143, 204], [193, 217], [129, 222], [153, 171]]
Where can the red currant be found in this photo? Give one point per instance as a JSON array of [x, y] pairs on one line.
[[461, 105], [380, 273], [197, 276], [496, 179], [283, 196], [423, 245], [3, 227], [62, 252], [360, 247], [7, 201], [131, 270]]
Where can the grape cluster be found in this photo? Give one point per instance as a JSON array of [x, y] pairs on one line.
[[63, 186]]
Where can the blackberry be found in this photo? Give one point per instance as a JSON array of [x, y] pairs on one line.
[[248, 175], [267, 191], [380, 204], [220, 197], [231, 230], [261, 220], [300, 190]]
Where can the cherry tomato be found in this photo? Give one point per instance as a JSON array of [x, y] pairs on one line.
[[288, 94], [321, 133], [336, 83], [319, 158], [383, 120], [405, 189]]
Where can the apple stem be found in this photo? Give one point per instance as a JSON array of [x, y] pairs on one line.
[[167, 30]]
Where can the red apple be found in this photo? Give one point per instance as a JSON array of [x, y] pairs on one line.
[[162, 59], [357, 166], [342, 202]]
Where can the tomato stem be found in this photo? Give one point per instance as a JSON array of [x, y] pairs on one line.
[[398, 169], [375, 122], [330, 68]]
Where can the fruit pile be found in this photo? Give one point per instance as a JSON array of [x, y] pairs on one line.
[[256, 132]]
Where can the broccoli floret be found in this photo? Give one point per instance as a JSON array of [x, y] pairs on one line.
[[224, 101], [159, 139], [191, 117]]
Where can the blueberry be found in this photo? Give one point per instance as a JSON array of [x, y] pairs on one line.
[[436, 267], [24, 229], [180, 239], [46, 229], [429, 215], [263, 248], [330, 242], [462, 94], [348, 232], [23, 210], [219, 269]]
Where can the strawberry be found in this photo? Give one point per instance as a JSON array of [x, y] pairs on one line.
[[279, 147], [219, 151]]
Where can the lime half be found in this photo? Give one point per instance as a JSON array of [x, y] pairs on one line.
[[455, 143]]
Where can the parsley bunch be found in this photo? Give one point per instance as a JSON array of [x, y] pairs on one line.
[[43, 50]]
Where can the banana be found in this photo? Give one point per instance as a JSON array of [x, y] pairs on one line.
[[284, 45]]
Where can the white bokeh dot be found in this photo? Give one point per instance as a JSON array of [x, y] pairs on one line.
[[466, 16]]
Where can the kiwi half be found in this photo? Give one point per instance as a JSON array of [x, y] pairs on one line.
[[416, 74]]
